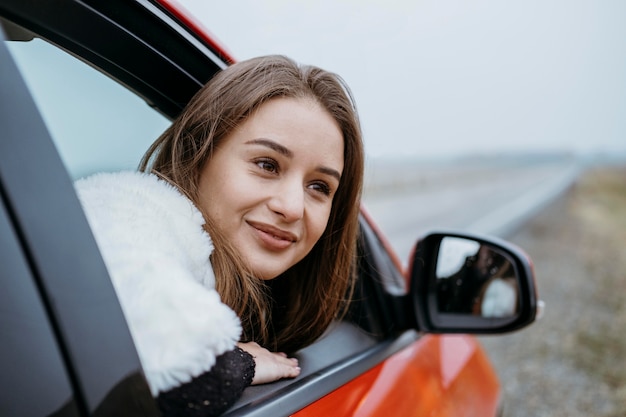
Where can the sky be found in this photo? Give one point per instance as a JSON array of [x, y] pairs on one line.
[[453, 77]]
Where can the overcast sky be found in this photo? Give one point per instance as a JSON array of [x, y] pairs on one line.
[[454, 76]]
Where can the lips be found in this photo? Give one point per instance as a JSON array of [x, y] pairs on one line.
[[272, 237]]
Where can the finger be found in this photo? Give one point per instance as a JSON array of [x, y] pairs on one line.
[[293, 372], [287, 361], [290, 371]]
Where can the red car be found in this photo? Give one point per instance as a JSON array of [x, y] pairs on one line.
[[86, 86]]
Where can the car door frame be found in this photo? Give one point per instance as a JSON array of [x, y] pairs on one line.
[[63, 258]]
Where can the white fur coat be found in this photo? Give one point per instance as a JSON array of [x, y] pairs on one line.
[[157, 254]]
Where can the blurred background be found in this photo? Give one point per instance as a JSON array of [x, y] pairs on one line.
[[504, 118], [445, 78]]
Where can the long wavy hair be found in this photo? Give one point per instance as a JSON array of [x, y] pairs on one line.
[[294, 309]]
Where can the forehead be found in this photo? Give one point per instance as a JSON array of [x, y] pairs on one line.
[[301, 125]]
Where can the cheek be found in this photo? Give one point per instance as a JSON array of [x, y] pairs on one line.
[[225, 201], [318, 224], [215, 198]]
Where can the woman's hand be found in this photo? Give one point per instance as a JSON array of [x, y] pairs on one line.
[[270, 366]]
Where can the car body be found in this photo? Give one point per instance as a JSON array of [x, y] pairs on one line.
[[66, 348]]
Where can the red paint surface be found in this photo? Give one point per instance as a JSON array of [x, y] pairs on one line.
[[437, 376], [182, 14]]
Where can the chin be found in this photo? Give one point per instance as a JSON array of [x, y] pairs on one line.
[[266, 270], [266, 275]]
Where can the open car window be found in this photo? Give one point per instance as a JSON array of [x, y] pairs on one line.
[[98, 124]]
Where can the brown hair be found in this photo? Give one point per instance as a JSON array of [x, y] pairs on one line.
[[294, 309]]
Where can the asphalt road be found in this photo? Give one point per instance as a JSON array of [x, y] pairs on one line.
[[486, 197]]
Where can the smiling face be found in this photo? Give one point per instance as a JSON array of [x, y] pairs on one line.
[[269, 185]]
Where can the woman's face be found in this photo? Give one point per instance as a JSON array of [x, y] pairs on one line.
[[269, 186]]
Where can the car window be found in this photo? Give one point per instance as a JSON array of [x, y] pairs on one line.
[[96, 123]]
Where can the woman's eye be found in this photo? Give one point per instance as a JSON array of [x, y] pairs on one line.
[[321, 187], [268, 165]]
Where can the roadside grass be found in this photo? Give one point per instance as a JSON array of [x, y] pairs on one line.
[[599, 205]]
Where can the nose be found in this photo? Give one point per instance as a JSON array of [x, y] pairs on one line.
[[287, 200]]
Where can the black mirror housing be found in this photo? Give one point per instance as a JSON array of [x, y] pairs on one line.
[[468, 283]]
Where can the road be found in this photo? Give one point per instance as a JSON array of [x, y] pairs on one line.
[[486, 197], [570, 363], [565, 363]]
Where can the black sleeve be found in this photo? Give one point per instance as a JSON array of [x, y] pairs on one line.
[[213, 392]]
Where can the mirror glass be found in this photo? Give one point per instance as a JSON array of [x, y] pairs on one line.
[[474, 278]]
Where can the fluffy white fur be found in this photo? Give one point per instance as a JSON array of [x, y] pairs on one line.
[[157, 254]]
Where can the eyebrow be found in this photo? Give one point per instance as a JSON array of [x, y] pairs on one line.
[[272, 145], [329, 171], [286, 152]]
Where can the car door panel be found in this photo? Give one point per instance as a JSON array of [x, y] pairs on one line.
[[424, 379]]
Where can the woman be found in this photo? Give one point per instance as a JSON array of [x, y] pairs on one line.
[[253, 194]]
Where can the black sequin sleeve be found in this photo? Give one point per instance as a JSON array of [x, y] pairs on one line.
[[213, 392]]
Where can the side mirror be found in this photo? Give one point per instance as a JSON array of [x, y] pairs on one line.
[[465, 283]]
